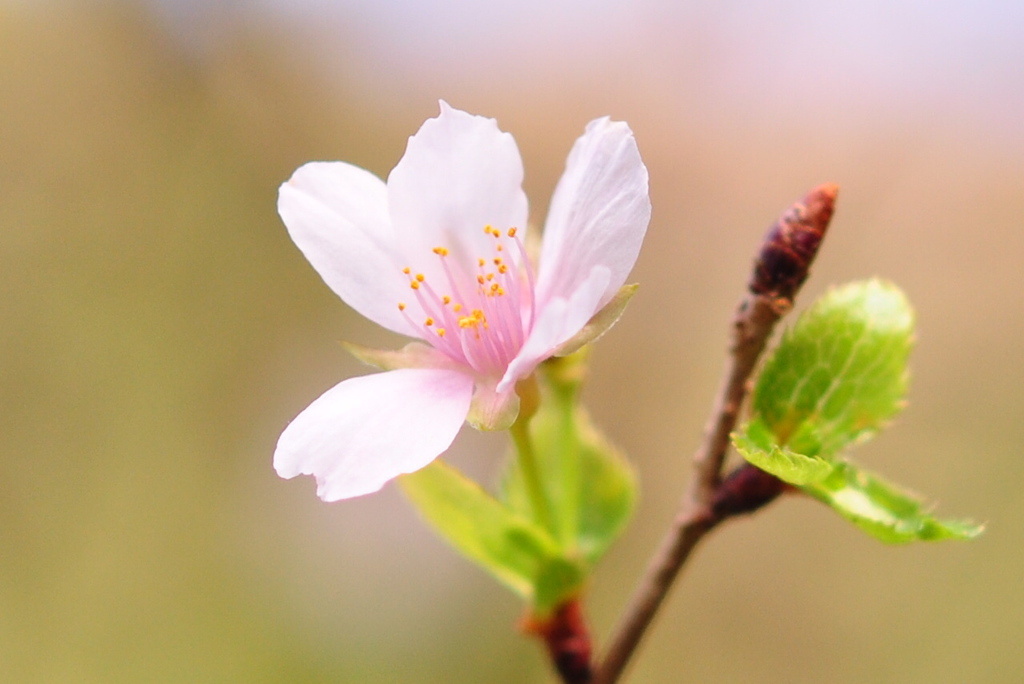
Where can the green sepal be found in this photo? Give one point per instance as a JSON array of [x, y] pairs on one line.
[[884, 510], [840, 373], [754, 443], [590, 489], [507, 544], [412, 355], [600, 323]]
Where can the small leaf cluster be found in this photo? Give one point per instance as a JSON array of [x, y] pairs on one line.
[[835, 379]]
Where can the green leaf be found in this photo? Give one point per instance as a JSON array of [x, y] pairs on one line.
[[836, 377], [508, 545], [589, 487], [841, 372], [557, 580], [784, 464], [884, 510], [607, 492]]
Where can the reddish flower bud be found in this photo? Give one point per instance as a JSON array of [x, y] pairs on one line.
[[791, 244]]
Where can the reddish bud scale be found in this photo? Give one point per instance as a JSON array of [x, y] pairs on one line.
[[745, 490], [792, 243], [568, 642]]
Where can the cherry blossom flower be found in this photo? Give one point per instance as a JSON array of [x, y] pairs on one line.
[[438, 253]]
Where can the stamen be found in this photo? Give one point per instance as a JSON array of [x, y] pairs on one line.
[[525, 260], [487, 332]]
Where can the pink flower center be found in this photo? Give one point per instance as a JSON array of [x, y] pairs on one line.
[[478, 320]]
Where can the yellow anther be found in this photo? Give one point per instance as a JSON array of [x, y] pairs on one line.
[[512, 232], [429, 321], [406, 270], [414, 285], [495, 287], [480, 263], [497, 261], [420, 277], [502, 268], [480, 279], [401, 306], [473, 320], [500, 248], [457, 308], [490, 276], [440, 332], [440, 251], [446, 299]]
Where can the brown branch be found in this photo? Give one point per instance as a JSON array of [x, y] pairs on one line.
[[779, 271]]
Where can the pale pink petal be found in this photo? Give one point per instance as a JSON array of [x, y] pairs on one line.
[[557, 322], [368, 430], [337, 214], [599, 213], [459, 174]]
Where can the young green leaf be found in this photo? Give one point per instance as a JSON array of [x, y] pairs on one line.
[[508, 545], [840, 373], [788, 466], [607, 492], [883, 510], [837, 376]]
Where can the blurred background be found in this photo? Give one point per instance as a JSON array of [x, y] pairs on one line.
[[158, 329]]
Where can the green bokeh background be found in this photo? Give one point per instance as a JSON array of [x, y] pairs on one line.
[[158, 329]]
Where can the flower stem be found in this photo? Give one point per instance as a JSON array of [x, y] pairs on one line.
[[531, 474]]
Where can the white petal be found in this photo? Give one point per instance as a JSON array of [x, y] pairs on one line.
[[368, 430], [337, 214], [459, 174], [599, 212], [557, 322]]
